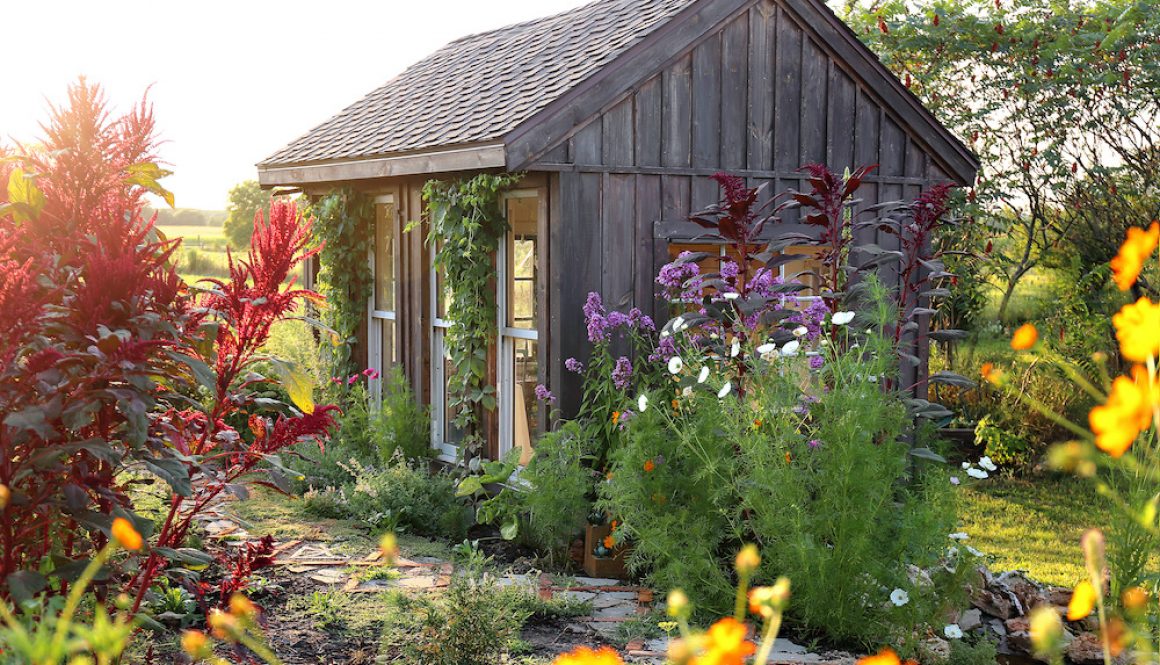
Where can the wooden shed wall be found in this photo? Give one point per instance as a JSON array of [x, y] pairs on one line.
[[760, 96]]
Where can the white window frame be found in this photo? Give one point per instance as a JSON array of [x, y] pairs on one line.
[[445, 451], [505, 386], [375, 317]]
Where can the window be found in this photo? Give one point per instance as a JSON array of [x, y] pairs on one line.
[[520, 271], [445, 436], [381, 316]]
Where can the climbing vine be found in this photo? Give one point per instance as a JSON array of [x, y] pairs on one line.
[[467, 226], [345, 227]]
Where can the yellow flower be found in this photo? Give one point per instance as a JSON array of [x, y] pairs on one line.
[[125, 535], [5, 496], [196, 644], [1083, 601], [725, 644], [1138, 330], [223, 625], [1119, 421], [1046, 630], [884, 657], [389, 548], [748, 559], [242, 607], [1136, 249], [1025, 337], [586, 656], [1135, 600], [764, 601], [677, 604]]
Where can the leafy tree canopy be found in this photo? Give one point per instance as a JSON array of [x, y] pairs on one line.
[[246, 199]]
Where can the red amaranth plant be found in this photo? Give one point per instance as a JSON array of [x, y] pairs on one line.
[[108, 361]]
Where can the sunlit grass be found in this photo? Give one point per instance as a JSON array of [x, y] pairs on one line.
[[1033, 525]]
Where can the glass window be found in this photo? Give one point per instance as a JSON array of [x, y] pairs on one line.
[[385, 222]]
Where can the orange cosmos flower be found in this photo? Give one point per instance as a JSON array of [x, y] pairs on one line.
[[989, 373], [885, 657], [725, 644], [1118, 422], [1138, 330], [1135, 600], [609, 542], [1025, 337], [1083, 601], [649, 465], [615, 417], [1138, 246], [586, 656], [125, 535]]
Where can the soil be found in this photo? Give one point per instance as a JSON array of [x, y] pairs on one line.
[[294, 636]]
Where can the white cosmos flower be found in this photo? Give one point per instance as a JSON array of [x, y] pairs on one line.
[[966, 465], [960, 536], [675, 365], [687, 391], [642, 403], [801, 331], [899, 597], [735, 349], [976, 473], [724, 390], [790, 348], [842, 318], [732, 295], [679, 324], [987, 464], [766, 348], [704, 374], [973, 551], [953, 632], [954, 480]]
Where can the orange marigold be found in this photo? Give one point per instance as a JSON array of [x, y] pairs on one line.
[[1025, 337], [609, 542], [1138, 330], [725, 644], [1118, 422], [125, 535], [649, 465], [615, 417], [885, 657], [587, 656], [1137, 247]]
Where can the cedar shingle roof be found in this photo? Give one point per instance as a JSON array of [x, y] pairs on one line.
[[479, 88]]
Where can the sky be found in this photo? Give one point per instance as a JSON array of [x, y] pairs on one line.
[[230, 82]]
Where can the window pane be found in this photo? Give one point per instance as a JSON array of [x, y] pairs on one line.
[[389, 343], [523, 216], [451, 434], [385, 257], [525, 408]]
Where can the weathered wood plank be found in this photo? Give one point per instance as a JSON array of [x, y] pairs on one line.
[[706, 115], [762, 53], [617, 140], [915, 160], [705, 193], [648, 211], [675, 192], [647, 130], [576, 265], [787, 95], [676, 139], [734, 93], [618, 232], [588, 144], [815, 80], [841, 120]]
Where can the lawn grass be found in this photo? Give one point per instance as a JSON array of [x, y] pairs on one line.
[[1033, 524]]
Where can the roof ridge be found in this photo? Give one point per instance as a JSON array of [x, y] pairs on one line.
[[523, 24]]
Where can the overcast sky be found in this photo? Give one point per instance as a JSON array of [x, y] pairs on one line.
[[231, 81]]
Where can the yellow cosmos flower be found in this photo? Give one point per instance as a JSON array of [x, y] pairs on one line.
[[125, 535], [1119, 421], [196, 644], [587, 656], [1138, 330], [1083, 601], [1025, 337], [725, 644], [748, 559], [1138, 246]]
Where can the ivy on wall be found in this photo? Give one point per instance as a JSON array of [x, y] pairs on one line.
[[467, 227], [345, 227]]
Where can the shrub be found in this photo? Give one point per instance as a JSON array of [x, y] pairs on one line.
[[561, 484], [1004, 447], [399, 495]]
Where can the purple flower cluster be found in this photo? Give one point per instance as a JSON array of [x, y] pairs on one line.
[[816, 362], [665, 350], [674, 276], [814, 443], [622, 373], [543, 394], [729, 272], [812, 318], [601, 323], [574, 366], [625, 416]]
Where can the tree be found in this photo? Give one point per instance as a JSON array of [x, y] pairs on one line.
[[246, 199], [1056, 97]]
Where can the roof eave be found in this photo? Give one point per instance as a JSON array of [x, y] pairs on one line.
[[444, 160]]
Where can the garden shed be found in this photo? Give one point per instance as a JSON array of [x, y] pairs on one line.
[[618, 112]]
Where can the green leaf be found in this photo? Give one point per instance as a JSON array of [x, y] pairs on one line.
[[23, 585], [510, 529], [469, 486], [146, 175], [26, 199], [928, 454], [298, 384], [172, 471]]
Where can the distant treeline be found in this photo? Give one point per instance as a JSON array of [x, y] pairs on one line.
[[187, 216]]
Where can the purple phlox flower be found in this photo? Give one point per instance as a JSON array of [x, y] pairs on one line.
[[625, 416], [641, 320], [543, 394], [665, 350], [622, 373], [573, 365], [730, 270], [617, 320], [814, 443], [803, 406], [659, 459], [595, 319], [816, 362], [681, 280]]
